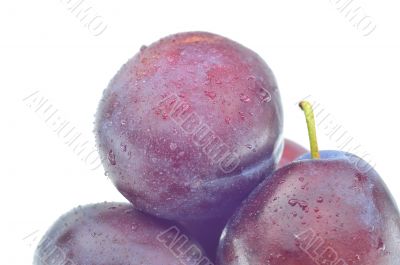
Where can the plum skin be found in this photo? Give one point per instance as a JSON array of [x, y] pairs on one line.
[[208, 232], [148, 153], [348, 213], [114, 233]]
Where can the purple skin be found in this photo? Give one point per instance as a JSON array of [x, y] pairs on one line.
[[117, 234], [207, 233], [189, 126], [335, 210]]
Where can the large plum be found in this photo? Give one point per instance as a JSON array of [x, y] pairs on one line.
[[189, 126], [117, 234]]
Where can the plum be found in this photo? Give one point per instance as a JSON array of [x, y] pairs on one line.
[[315, 211], [326, 208], [117, 234], [189, 126]]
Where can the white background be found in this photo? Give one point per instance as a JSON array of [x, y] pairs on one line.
[[310, 45]]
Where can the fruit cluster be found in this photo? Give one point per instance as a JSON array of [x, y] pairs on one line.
[[190, 132]]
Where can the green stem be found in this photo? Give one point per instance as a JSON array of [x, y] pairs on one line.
[[312, 134]]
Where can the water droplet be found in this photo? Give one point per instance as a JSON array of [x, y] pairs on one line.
[[292, 202], [381, 244], [304, 186], [244, 98], [249, 146], [173, 146], [303, 204], [164, 115], [111, 158], [170, 59], [210, 94], [320, 199], [360, 177], [106, 173], [241, 114], [123, 147]]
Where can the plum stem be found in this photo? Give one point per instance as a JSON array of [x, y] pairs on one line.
[[312, 134]]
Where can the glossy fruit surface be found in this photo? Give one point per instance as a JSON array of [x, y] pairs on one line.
[[117, 234], [291, 151], [207, 233], [334, 210], [189, 126]]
